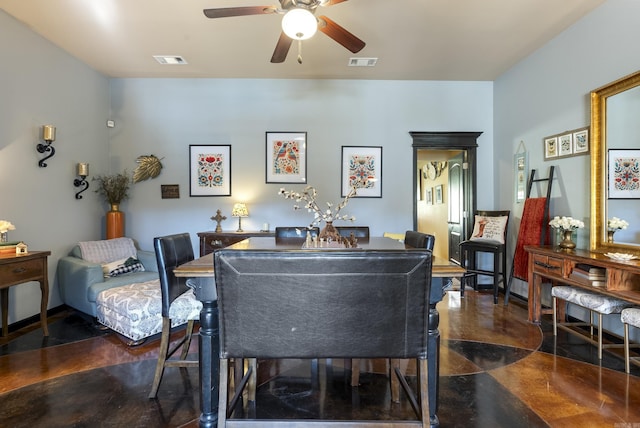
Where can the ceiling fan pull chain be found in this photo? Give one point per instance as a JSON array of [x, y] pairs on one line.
[[299, 51]]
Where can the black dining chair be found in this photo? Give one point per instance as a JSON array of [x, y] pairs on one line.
[[361, 232], [179, 304], [286, 232]]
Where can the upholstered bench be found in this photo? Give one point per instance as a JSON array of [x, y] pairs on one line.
[[594, 302], [135, 310], [630, 316]]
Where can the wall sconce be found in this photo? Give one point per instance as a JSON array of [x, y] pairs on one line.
[[83, 172], [240, 210], [49, 136]]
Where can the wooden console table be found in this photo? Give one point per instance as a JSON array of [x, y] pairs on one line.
[[210, 241], [554, 265], [16, 270]]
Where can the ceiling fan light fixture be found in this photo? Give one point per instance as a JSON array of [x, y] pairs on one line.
[[299, 24]]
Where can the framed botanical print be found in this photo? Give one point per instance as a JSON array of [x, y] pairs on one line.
[[209, 170], [286, 157], [565, 144], [550, 148], [581, 141], [439, 194], [362, 169], [623, 174]]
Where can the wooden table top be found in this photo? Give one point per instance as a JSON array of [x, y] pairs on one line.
[[203, 266]]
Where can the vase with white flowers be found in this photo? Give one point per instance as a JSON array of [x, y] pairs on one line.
[[613, 225], [567, 225], [308, 199], [5, 227]]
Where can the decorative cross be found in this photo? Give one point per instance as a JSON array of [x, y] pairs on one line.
[[218, 218]]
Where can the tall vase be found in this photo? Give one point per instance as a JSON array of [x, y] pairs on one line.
[[329, 232], [610, 236], [115, 222], [566, 242], [4, 237]]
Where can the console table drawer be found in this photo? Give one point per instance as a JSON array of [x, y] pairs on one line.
[[21, 271], [548, 265]]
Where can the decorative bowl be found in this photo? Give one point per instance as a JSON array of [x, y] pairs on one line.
[[621, 256]]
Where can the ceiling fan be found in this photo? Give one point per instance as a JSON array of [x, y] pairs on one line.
[[296, 14]]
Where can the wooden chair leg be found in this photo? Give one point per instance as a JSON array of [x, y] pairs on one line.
[[162, 356], [423, 375], [223, 392], [393, 379], [355, 372], [187, 342]]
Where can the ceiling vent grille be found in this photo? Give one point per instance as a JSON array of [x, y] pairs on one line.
[[362, 62], [170, 59]]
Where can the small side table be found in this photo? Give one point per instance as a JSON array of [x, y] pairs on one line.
[[18, 269]]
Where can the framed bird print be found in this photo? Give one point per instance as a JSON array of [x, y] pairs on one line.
[[286, 154]]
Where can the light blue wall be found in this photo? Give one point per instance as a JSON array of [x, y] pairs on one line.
[[40, 84], [163, 116], [548, 93]]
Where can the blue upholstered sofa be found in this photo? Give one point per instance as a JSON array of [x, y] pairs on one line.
[[81, 280]]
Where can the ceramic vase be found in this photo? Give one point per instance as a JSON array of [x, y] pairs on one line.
[[115, 222], [610, 236], [566, 242], [4, 237]]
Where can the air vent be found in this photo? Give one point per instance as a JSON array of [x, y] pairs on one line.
[[362, 62], [170, 59]]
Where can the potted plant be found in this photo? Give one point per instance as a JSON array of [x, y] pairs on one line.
[[115, 189]]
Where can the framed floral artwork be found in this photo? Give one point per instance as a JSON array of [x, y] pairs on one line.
[[623, 174], [362, 169], [286, 157], [209, 170], [565, 144]]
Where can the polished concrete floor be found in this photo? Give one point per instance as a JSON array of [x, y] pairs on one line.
[[497, 370]]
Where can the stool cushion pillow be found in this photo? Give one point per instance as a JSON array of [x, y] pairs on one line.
[[489, 228], [593, 301], [631, 316]]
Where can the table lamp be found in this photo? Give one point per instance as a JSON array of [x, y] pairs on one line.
[[240, 210]]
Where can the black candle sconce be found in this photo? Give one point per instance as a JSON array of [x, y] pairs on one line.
[[49, 136], [83, 172]]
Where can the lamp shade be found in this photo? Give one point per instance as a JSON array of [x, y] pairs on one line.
[[240, 210], [299, 24]]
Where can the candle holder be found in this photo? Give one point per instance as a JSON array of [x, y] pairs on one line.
[[83, 172], [49, 136]]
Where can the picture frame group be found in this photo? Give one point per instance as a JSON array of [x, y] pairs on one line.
[[566, 144]]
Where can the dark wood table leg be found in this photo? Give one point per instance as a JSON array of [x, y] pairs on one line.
[[4, 302], [209, 366]]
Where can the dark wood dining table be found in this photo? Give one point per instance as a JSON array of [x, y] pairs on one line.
[[202, 274]]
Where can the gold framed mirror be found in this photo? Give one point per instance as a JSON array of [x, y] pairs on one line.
[[615, 109]]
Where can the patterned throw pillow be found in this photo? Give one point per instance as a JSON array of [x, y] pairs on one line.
[[489, 228], [122, 266]]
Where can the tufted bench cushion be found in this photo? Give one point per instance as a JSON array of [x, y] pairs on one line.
[[594, 302], [135, 310], [587, 299]]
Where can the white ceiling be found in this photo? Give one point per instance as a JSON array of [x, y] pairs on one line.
[[412, 39]]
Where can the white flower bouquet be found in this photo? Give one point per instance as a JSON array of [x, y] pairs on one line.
[[309, 195], [615, 223], [6, 226], [566, 223]]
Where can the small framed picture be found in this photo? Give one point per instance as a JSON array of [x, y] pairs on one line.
[[439, 193], [581, 141], [209, 170], [429, 198], [550, 148], [565, 144], [286, 157], [623, 174], [362, 169]]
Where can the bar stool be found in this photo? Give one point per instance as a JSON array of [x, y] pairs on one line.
[[489, 236]]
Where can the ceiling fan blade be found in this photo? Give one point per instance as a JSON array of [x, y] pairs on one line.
[[282, 48], [340, 35], [225, 12]]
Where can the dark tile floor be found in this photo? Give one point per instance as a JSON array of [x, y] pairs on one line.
[[497, 370]]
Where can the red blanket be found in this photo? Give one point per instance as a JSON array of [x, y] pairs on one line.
[[529, 234]]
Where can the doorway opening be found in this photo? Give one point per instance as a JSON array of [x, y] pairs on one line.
[[444, 188]]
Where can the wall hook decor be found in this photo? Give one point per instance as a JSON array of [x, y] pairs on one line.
[[49, 136], [83, 172]]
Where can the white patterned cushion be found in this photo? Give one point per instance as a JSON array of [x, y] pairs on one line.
[[135, 310], [631, 316], [593, 301], [107, 251]]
